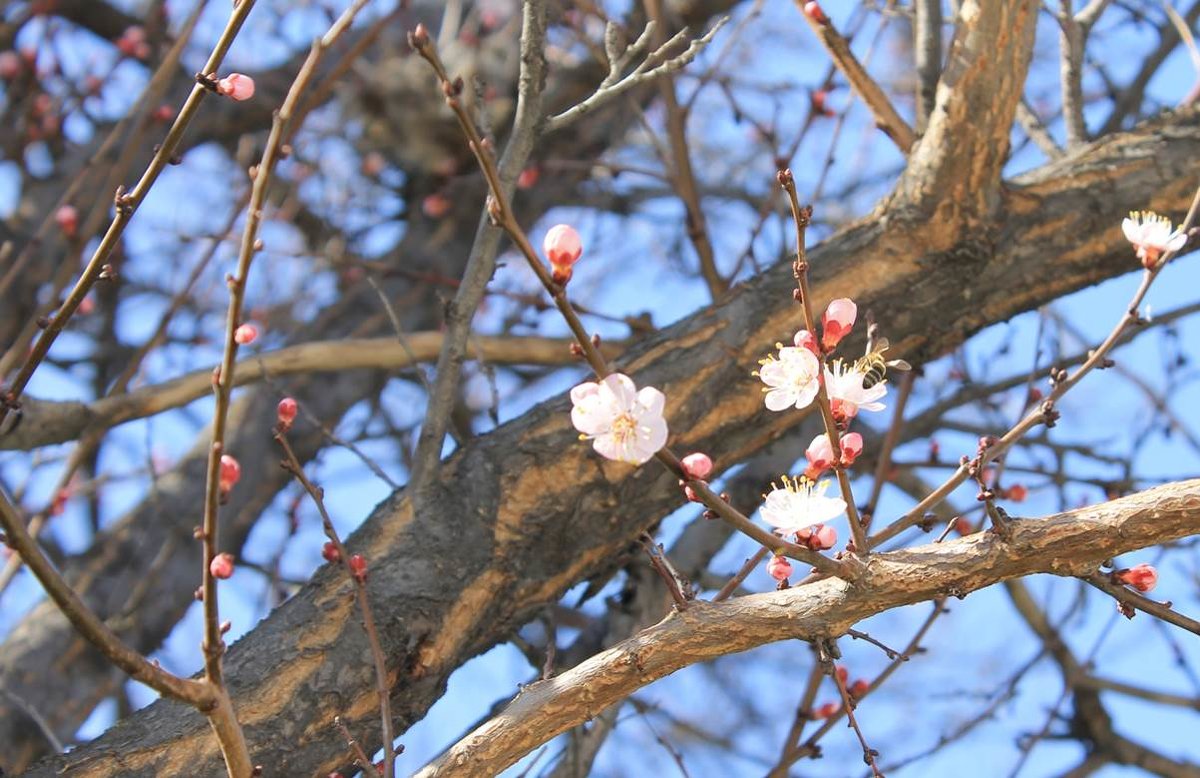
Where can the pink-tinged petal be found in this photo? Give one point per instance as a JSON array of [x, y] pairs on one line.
[[622, 390], [608, 447], [652, 436], [590, 421], [651, 400], [584, 391], [780, 399], [1177, 241]]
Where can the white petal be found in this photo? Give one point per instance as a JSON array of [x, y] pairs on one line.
[[780, 399], [776, 509], [806, 394], [590, 420], [1176, 241], [622, 390], [1132, 230], [651, 400], [773, 373], [606, 446]]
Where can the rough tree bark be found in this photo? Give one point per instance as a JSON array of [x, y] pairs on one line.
[[527, 511]]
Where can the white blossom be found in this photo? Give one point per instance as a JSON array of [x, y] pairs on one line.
[[1152, 235], [792, 380], [844, 383], [800, 504], [624, 424]]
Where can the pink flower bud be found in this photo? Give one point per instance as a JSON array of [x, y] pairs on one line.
[[843, 674], [132, 43], [529, 176], [237, 86], [1016, 493], [697, 465], [10, 65], [805, 339], [820, 456], [962, 526], [1142, 577], [823, 537], [436, 205], [837, 322], [221, 566], [812, 9], [67, 219], [330, 552], [164, 113], [779, 568], [851, 445], [358, 568], [230, 472], [828, 710], [285, 412], [245, 334], [859, 688], [562, 245], [819, 105], [373, 164]]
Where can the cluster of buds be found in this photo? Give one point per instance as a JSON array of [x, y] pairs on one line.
[[563, 248], [820, 454]]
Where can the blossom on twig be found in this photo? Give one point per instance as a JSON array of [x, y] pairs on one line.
[[624, 423]]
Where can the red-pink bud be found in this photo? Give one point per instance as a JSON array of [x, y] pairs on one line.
[[962, 526], [561, 274], [529, 176], [132, 43], [819, 104], [285, 412], [859, 688], [843, 674], [805, 339], [689, 493], [837, 322], [330, 552], [823, 537], [1016, 493], [812, 9], [230, 472], [86, 306], [828, 710], [164, 113], [245, 334], [10, 65], [237, 86], [852, 445], [820, 456], [358, 568], [779, 568], [843, 410], [562, 245], [67, 219], [1142, 577], [697, 465], [436, 205], [221, 566]]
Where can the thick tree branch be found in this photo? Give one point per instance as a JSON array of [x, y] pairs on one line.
[[522, 536], [1063, 544]]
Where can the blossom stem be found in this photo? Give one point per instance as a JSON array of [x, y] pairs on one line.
[[801, 216], [500, 209]]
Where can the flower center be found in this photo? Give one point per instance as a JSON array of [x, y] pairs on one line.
[[624, 427]]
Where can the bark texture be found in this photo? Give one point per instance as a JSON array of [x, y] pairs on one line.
[[527, 511]]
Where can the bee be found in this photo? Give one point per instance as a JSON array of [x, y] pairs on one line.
[[874, 367]]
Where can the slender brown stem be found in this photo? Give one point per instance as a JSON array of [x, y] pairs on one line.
[[801, 217], [126, 205], [1045, 411], [382, 684], [1144, 604], [502, 214], [848, 704]]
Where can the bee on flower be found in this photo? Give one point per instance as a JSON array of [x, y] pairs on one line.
[[623, 422], [1152, 235], [853, 387]]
